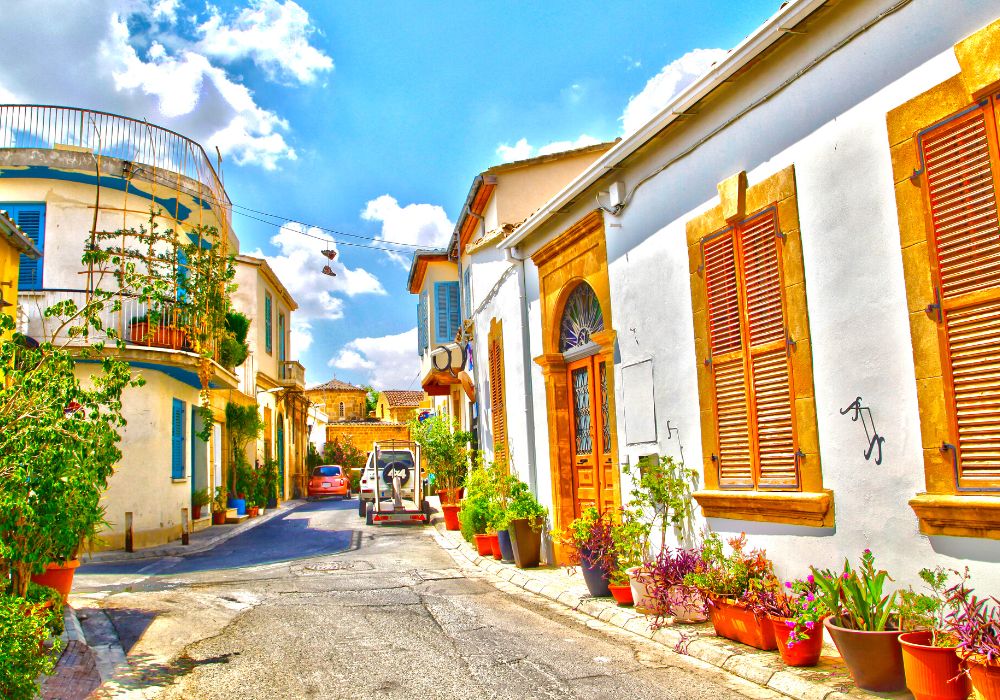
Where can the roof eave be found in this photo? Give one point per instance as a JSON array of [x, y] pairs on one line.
[[770, 32]]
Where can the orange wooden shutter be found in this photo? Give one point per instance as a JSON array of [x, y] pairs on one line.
[[726, 339], [497, 405], [773, 422], [961, 163]]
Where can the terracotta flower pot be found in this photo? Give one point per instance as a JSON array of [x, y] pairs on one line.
[[506, 546], [875, 659], [159, 337], [687, 604], [482, 545], [734, 621], [804, 652], [622, 594], [985, 678], [526, 541], [932, 673], [253, 511], [451, 517], [495, 546], [196, 512], [219, 518], [58, 576]]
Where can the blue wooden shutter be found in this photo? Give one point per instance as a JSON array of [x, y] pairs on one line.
[[422, 331], [31, 219], [467, 284], [447, 311], [177, 441], [268, 343]]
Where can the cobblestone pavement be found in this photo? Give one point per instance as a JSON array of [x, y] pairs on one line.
[[76, 675], [332, 608]]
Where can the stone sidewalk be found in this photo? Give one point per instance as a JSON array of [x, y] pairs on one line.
[[76, 674], [827, 681]]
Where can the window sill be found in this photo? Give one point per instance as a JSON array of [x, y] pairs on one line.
[[958, 516], [790, 507], [179, 481]]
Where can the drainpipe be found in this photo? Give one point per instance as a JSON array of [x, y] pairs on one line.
[[468, 314], [513, 256]]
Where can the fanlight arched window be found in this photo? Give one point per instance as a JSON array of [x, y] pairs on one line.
[[582, 317]]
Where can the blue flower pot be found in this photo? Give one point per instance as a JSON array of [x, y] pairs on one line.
[[506, 547], [240, 504]]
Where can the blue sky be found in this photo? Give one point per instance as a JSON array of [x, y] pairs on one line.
[[365, 118]]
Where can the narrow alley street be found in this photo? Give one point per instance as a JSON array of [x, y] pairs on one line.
[[314, 604]]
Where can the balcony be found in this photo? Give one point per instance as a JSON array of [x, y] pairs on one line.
[[293, 374], [150, 339]]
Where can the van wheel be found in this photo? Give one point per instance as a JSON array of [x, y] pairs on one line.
[[370, 514], [361, 507]]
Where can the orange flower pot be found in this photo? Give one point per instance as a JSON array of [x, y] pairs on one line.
[[621, 594], [734, 621], [483, 545], [932, 673], [451, 517], [219, 518], [58, 576], [804, 652], [495, 545], [985, 678]]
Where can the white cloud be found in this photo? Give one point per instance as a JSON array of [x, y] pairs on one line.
[[302, 337], [423, 225], [388, 362], [667, 84], [274, 35], [522, 149], [137, 58], [299, 266]]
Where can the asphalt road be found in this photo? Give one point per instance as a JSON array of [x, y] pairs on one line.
[[315, 604]]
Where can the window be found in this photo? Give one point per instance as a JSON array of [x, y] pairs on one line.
[[341, 409], [177, 426], [447, 314], [581, 318], [31, 219], [422, 323], [281, 342], [760, 442], [754, 421], [268, 340], [498, 404]]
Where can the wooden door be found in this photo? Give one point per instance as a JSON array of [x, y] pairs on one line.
[[590, 426]]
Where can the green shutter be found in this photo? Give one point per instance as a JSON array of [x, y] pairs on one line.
[[268, 341], [447, 311]]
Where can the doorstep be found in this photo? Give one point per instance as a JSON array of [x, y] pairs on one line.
[[829, 680], [202, 523], [236, 519]]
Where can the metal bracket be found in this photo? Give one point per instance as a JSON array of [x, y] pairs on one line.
[[789, 341], [781, 235], [708, 361], [945, 446], [936, 306], [715, 458]]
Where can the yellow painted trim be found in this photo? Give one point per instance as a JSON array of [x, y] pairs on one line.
[[939, 510], [813, 505]]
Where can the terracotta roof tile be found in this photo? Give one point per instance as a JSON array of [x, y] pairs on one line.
[[403, 399], [335, 385]]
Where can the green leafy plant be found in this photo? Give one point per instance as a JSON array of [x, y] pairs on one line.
[[730, 575], [445, 448], [857, 597], [589, 540], [219, 501], [23, 626], [233, 348], [244, 424], [479, 504], [270, 476], [931, 610], [200, 498], [630, 536], [664, 490]]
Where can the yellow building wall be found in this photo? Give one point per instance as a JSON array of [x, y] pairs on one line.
[[9, 266], [354, 403], [362, 435]]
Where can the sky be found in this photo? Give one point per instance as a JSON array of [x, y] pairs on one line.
[[364, 123]]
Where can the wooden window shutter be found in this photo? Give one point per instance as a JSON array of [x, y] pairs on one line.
[[268, 340], [771, 388], [725, 338], [753, 391], [177, 440], [422, 321], [961, 163], [31, 219], [498, 405]]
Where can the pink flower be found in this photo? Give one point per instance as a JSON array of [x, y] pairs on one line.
[[868, 551], [810, 624], [788, 584], [805, 606], [789, 623], [810, 597], [811, 579], [845, 576]]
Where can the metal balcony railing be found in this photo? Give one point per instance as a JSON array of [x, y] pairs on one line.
[[113, 136], [132, 322]]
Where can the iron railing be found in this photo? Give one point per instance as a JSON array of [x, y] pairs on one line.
[[113, 136]]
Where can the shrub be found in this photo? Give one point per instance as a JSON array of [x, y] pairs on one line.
[[22, 659]]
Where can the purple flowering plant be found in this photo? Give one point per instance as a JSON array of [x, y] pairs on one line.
[[975, 624], [590, 540], [666, 574]]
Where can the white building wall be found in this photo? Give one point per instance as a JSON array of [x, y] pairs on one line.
[[830, 124]]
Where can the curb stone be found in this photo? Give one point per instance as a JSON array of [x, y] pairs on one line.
[[762, 668]]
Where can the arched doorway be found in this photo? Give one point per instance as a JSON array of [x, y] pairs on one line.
[[280, 448], [577, 364]]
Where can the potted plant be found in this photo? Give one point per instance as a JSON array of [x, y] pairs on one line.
[[796, 612], [446, 449], [24, 626], [269, 477], [931, 663], [863, 623], [590, 544], [478, 507], [630, 536], [219, 507], [661, 591], [975, 624], [525, 522], [199, 499], [725, 579], [147, 329]]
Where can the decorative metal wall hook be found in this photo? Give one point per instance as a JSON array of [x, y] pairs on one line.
[[868, 423]]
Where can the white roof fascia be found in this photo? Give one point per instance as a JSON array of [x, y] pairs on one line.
[[756, 43]]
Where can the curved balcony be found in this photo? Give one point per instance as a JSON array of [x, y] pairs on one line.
[[112, 136]]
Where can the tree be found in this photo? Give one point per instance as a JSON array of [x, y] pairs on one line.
[[344, 453], [445, 448], [244, 424], [371, 399]]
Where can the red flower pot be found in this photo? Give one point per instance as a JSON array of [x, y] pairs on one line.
[[195, 512], [219, 518], [451, 517], [932, 673], [733, 621], [58, 576], [621, 594], [805, 652], [253, 511], [483, 545], [495, 545], [985, 678]]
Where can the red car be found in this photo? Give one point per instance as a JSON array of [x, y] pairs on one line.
[[329, 480]]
